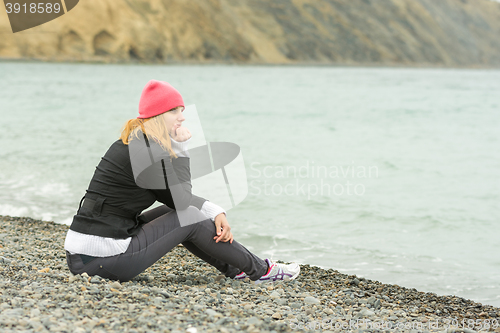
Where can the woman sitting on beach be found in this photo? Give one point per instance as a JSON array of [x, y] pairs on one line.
[[110, 235]]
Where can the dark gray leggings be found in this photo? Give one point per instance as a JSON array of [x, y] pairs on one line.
[[160, 235]]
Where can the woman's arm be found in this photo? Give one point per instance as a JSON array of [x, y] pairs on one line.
[[211, 210], [177, 177], [170, 180]]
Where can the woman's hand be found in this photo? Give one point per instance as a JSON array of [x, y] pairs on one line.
[[181, 134], [224, 235]]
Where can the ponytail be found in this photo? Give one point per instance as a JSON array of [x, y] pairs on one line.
[[129, 127], [156, 130]]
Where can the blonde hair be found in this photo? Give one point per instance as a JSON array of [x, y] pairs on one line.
[[155, 129]]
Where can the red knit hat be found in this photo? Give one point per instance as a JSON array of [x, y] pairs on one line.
[[158, 97]]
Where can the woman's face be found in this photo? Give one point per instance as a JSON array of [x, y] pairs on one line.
[[174, 119]]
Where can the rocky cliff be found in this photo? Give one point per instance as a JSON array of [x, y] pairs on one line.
[[385, 32]]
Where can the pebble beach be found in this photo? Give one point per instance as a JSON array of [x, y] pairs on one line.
[[181, 293]]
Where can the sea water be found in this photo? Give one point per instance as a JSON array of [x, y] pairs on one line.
[[392, 174]]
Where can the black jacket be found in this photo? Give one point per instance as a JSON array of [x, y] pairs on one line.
[[133, 186]]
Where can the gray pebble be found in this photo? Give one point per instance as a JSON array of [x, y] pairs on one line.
[[366, 313], [212, 313], [311, 300], [95, 279], [275, 294], [253, 321]]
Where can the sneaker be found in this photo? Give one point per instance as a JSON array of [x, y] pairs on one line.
[[241, 276], [279, 272]]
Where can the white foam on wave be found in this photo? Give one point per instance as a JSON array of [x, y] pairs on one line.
[[361, 263], [65, 221], [17, 183], [31, 195], [59, 189], [11, 210], [346, 270], [47, 217]]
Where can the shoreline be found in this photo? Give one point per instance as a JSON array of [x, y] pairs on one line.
[[254, 63], [180, 292]]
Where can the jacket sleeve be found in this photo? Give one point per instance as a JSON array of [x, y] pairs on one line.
[[177, 178], [170, 180]]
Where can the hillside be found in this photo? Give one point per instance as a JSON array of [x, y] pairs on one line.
[[386, 32]]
